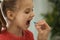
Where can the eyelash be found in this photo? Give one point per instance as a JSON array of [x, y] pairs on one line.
[[28, 11]]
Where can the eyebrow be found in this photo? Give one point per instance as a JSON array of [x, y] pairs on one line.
[[31, 7]]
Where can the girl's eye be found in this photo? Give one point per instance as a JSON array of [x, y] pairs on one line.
[[27, 12]]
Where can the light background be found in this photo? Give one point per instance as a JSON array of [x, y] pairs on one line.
[[40, 6]]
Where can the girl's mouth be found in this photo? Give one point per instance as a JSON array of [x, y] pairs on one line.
[[28, 22]]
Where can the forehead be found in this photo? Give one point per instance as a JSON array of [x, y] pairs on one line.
[[25, 3]]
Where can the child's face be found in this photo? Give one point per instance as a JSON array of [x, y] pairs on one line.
[[25, 14]]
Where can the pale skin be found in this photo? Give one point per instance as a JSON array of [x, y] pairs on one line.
[[42, 32], [17, 21]]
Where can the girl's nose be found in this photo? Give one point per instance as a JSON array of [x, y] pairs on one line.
[[32, 14]]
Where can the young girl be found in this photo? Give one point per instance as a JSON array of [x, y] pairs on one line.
[[15, 17]]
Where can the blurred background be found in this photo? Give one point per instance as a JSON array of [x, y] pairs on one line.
[[50, 11]]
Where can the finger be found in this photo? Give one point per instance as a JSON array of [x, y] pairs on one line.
[[43, 24], [47, 26], [42, 27], [40, 22], [38, 27]]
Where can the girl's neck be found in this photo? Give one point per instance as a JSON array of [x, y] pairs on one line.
[[15, 30]]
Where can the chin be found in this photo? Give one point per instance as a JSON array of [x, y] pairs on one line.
[[26, 28]]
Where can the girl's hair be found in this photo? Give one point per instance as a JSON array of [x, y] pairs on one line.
[[6, 5]]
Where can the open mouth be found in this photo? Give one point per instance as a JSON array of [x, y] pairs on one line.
[[28, 22]]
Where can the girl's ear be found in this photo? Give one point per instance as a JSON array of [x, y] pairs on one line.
[[10, 15]]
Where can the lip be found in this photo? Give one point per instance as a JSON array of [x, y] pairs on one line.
[[28, 21]]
